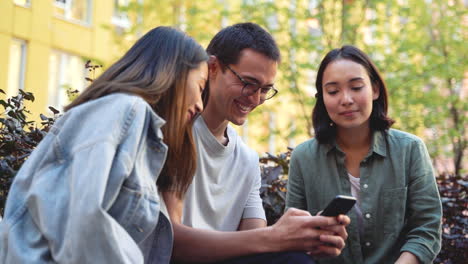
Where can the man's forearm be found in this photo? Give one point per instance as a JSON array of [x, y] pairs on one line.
[[200, 245]]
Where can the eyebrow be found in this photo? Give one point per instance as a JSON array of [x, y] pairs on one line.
[[356, 79], [352, 80], [249, 78]]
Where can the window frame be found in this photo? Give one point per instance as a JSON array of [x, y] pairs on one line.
[[20, 82], [120, 18], [27, 4], [57, 84], [67, 6]]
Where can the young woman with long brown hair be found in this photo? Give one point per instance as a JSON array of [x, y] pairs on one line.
[[90, 191]]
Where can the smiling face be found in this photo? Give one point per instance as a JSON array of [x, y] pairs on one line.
[[196, 81], [348, 94], [226, 102]]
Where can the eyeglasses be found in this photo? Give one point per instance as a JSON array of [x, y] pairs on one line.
[[266, 92]]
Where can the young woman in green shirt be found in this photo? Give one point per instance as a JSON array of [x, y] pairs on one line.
[[397, 218]]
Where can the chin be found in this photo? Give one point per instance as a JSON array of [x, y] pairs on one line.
[[352, 125], [238, 121]]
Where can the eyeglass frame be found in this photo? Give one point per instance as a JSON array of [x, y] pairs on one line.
[[245, 83]]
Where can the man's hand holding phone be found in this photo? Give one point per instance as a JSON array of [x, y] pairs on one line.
[[337, 208]]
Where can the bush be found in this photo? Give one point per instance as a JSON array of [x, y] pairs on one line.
[[274, 171], [18, 138], [453, 192]]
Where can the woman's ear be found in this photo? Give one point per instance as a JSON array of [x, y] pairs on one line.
[[375, 91]]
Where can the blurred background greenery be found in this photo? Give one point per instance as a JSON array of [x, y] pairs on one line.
[[419, 46]]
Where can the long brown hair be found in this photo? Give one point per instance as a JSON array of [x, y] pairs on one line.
[[156, 68]]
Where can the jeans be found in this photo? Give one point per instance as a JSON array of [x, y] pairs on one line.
[[272, 258]]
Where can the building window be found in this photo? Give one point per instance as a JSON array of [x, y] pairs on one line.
[[66, 72], [17, 67], [120, 16], [75, 10], [25, 3]]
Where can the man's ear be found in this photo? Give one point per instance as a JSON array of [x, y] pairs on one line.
[[213, 66]]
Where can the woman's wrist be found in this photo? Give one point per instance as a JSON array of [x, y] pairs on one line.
[[407, 258]]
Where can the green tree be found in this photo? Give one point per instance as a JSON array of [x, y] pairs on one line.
[[417, 44]]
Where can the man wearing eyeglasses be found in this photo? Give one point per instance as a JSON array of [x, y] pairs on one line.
[[224, 197]]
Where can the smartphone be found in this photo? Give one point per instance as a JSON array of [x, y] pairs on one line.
[[341, 204]]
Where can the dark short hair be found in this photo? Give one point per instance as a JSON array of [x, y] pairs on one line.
[[378, 119], [228, 44]]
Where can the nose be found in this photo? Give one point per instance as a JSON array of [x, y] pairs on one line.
[[347, 98], [255, 98], [199, 105]]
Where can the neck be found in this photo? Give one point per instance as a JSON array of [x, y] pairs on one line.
[[216, 126], [353, 138]]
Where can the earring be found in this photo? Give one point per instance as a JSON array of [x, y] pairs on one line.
[[331, 124]]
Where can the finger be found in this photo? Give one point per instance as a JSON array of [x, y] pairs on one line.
[[297, 212], [344, 220], [321, 221], [326, 251], [314, 252], [333, 241], [314, 234], [339, 230], [312, 245]]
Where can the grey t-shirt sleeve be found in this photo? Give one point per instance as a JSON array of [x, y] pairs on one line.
[[254, 206]]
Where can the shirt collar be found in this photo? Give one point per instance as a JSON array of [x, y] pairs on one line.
[[378, 144]]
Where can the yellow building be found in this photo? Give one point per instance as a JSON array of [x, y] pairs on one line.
[[44, 45]]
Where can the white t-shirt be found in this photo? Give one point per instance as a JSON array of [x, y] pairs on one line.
[[356, 193], [226, 185]]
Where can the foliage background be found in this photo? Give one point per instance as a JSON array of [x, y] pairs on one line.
[[419, 46]]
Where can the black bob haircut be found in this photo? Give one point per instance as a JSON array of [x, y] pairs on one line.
[[324, 132]]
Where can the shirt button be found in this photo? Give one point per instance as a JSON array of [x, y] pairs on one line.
[[365, 186], [368, 244], [368, 216]]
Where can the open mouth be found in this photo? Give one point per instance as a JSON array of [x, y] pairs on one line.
[[243, 108]]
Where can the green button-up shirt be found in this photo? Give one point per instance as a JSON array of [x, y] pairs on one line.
[[400, 202]]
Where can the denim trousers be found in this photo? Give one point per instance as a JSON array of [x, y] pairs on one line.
[[272, 258]]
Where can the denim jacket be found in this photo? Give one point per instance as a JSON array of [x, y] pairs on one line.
[[87, 193]]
